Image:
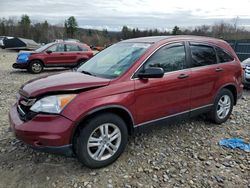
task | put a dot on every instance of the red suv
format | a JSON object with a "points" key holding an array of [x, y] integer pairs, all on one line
{"points": [[90, 112], [56, 54]]}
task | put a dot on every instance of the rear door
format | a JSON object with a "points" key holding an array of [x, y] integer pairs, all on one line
{"points": [[158, 98], [72, 52], [205, 74], [57, 55]]}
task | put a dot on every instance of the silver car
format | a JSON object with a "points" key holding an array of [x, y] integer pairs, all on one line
{"points": [[246, 75]]}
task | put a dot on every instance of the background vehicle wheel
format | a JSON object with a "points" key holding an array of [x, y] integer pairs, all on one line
{"points": [[223, 107], [102, 140], [35, 67]]}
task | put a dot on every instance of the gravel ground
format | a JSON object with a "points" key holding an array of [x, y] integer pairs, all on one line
{"points": [[186, 154]]}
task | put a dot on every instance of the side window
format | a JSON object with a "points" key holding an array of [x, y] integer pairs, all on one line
{"points": [[57, 48], [170, 58], [223, 56], [71, 48], [202, 55], [82, 48]]}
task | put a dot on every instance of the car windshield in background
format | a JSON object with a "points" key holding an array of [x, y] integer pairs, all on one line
{"points": [[114, 61], [43, 47]]}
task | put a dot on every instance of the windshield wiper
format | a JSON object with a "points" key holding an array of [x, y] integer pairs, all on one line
{"points": [[88, 73]]}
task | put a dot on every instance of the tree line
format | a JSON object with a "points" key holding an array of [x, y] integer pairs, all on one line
{"points": [[43, 32]]}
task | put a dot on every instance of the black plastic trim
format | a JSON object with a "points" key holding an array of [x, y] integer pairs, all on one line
{"points": [[20, 65], [65, 150]]}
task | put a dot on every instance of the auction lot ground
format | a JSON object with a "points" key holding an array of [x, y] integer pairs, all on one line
{"points": [[185, 154]]}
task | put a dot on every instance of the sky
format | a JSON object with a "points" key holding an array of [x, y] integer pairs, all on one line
{"points": [[144, 14]]}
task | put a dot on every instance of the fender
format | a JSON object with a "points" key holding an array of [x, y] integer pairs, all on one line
{"points": [[228, 84], [98, 109]]}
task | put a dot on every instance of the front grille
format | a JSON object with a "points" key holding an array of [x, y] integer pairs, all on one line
{"points": [[23, 108]]}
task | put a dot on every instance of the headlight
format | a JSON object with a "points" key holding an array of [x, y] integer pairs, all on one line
{"points": [[52, 104]]}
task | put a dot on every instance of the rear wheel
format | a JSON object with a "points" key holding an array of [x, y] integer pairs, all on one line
{"points": [[223, 106], [80, 62], [35, 67], [102, 140]]}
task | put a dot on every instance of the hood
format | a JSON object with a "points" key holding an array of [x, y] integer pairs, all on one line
{"points": [[245, 63], [27, 52], [68, 81]]}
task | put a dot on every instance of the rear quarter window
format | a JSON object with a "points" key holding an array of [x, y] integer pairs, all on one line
{"points": [[223, 56], [81, 48], [202, 55]]}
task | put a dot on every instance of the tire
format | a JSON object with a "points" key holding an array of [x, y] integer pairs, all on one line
{"points": [[100, 151], [222, 107], [35, 67]]}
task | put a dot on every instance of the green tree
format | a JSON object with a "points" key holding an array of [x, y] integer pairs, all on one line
{"points": [[45, 31], [3, 26], [71, 27], [24, 25], [125, 32], [176, 30]]}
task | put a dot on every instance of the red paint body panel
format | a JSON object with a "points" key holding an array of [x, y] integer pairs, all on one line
{"points": [[62, 58], [44, 130], [145, 100], [62, 82], [160, 98], [121, 94]]}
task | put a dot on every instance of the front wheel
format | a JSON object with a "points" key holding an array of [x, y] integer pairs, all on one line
{"points": [[35, 67], [102, 140], [223, 106]]}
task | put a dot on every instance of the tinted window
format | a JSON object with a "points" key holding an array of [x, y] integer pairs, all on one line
{"points": [[57, 48], [71, 48], [82, 48], [202, 55], [223, 56], [170, 58]]}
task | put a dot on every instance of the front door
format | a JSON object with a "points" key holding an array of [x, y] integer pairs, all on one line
{"points": [[56, 56], [159, 98]]}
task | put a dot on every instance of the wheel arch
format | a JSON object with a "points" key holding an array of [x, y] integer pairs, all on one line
{"points": [[231, 87], [36, 59], [82, 59], [121, 111]]}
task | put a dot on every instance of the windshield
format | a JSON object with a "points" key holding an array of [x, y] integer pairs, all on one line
{"points": [[43, 47], [114, 61]]}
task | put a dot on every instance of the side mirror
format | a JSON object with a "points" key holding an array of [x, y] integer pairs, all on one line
{"points": [[151, 72], [48, 51]]}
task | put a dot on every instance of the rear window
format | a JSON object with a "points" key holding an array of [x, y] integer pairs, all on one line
{"points": [[202, 55], [223, 55], [71, 48], [81, 48]]}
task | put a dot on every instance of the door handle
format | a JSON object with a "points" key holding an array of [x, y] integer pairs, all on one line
{"points": [[61, 53], [182, 76], [218, 69]]}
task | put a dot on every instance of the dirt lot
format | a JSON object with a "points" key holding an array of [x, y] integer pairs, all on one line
{"points": [[182, 155]]}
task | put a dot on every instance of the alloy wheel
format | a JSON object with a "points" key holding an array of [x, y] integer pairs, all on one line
{"points": [[223, 107], [36, 67], [104, 141]]}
